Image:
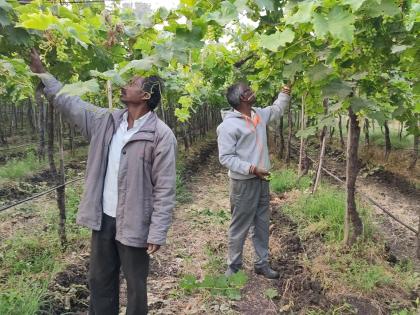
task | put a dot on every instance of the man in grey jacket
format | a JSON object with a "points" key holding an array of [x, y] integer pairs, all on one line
{"points": [[129, 190], [242, 142]]}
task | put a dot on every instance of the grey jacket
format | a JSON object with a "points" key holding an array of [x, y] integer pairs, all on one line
{"points": [[242, 141], [146, 179]]}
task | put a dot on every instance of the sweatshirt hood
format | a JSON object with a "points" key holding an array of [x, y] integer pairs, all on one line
{"points": [[229, 113]]}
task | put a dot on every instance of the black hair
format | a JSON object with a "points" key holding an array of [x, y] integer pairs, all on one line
{"points": [[234, 93], [154, 86]]}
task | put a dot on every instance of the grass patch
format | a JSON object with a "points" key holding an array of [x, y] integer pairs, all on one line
{"points": [[322, 214], [18, 168], [377, 138], [29, 261], [23, 298], [361, 269], [287, 179]]}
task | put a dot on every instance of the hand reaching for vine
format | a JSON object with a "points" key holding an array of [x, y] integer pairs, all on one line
{"points": [[36, 63]]}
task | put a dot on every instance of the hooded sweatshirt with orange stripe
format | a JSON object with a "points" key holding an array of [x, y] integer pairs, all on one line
{"points": [[242, 140]]}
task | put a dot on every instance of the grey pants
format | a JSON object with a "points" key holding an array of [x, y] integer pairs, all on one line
{"points": [[250, 200], [106, 258]]}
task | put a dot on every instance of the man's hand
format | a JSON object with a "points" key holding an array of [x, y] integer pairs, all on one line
{"points": [[36, 63], [286, 90], [152, 248], [261, 173]]}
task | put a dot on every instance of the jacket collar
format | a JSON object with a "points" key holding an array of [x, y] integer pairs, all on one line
{"points": [[149, 124]]}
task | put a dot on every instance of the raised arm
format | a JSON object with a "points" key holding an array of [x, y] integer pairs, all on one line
{"points": [[78, 112], [275, 111]]}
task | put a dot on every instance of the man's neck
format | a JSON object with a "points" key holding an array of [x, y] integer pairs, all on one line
{"points": [[245, 109], [135, 112]]}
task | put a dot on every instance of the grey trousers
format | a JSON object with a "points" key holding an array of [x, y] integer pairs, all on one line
{"points": [[250, 200], [106, 258]]}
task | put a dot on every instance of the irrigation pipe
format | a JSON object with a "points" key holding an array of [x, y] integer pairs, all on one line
{"points": [[40, 194]]}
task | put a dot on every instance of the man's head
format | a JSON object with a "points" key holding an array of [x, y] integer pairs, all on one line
{"points": [[240, 93], [142, 90]]}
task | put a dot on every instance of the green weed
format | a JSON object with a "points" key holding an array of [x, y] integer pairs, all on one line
{"points": [[18, 168], [285, 180], [216, 284], [23, 297], [323, 214]]}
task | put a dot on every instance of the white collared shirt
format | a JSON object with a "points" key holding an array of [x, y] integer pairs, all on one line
{"points": [[119, 140]]}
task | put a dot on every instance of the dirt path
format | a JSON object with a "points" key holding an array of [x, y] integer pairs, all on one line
{"points": [[197, 245]]}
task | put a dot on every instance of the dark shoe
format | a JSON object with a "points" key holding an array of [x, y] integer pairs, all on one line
{"points": [[267, 272], [229, 272]]}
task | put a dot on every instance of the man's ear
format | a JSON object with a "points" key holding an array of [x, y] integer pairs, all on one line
{"points": [[147, 96]]}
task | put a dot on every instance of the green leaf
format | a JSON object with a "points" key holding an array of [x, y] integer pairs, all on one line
{"points": [[80, 88], [38, 21], [319, 72], [111, 75], [273, 41], [340, 24], [143, 44], [241, 6], [389, 7], [271, 293], [144, 64], [4, 18], [290, 70], [378, 116], [226, 14], [336, 88], [305, 133], [238, 279], [265, 4], [374, 8], [5, 6], [359, 103], [354, 4], [188, 282], [320, 25], [303, 14]]}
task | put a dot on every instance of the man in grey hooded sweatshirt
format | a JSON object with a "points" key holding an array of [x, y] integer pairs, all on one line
{"points": [[242, 142]]}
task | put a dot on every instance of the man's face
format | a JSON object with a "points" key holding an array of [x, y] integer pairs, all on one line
{"points": [[247, 96], [133, 92]]}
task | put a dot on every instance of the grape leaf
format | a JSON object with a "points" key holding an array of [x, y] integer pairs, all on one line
{"points": [[143, 64], [4, 19], [303, 14], [319, 72], [359, 103], [320, 25], [291, 69], [354, 4], [340, 24], [38, 21], [226, 14], [273, 41], [336, 88], [80, 88], [265, 4], [5, 6]]}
